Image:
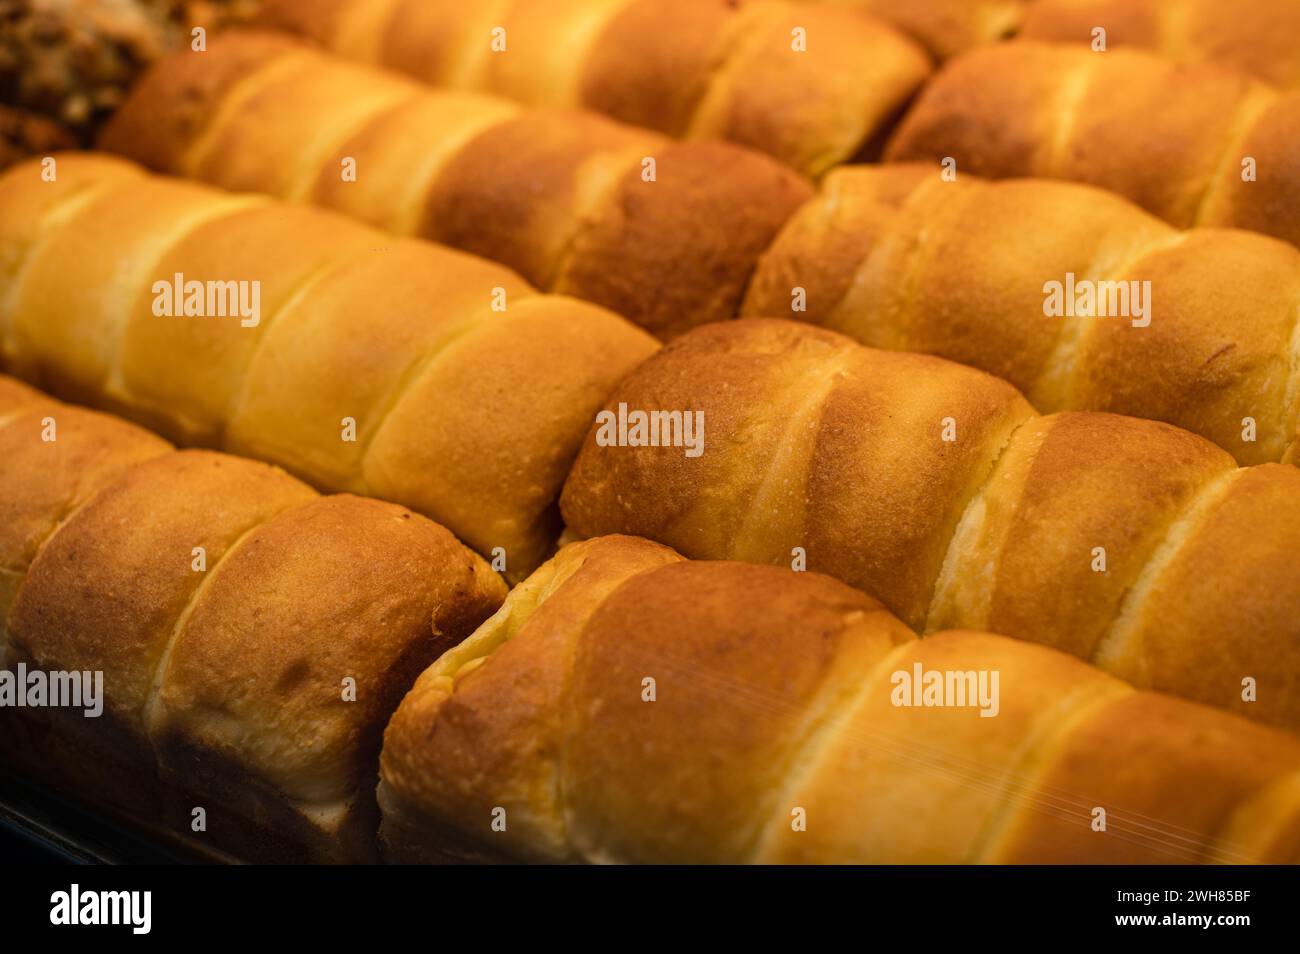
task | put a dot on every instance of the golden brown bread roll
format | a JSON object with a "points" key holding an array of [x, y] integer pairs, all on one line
{"points": [[560, 196], [1194, 145], [937, 489], [375, 365], [898, 257], [1263, 39], [231, 610], [811, 85], [674, 253], [625, 705], [948, 27], [90, 451]]}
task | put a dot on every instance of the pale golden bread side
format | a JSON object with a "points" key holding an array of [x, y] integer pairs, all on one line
{"points": [[1223, 609], [64, 330], [1174, 779], [70, 185], [1023, 559], [959, 771], [188, 375]]}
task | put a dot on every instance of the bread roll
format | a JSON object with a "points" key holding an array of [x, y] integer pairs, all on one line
{"points": [[889, 255], [949, 27], [386, 367], [627, 706], [252, 637], [1264, 40], [1196, 329], [1194, 145], [810, 85], [937, 489], [664, 233]]}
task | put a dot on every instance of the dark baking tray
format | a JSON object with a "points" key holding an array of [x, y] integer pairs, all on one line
{"points": [[38, 825]]}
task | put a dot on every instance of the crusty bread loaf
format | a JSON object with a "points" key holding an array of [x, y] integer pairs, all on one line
{"points": [[897, 257], [379, 366], [562, 197], [811, 85], [1195, 145], [948, 27], [1262, 38], [936, 488], [253, 636], [627, 706]]}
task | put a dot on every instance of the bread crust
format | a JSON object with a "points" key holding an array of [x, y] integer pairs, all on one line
{"points": [[1085, 531], [949, 27], [628, 706], [1185, 31], [798, 421], [168, 113], [233, 614], [722, 205], [1171, 138], [467, 392], [665, 233], [810, 86], [898, 257]]}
